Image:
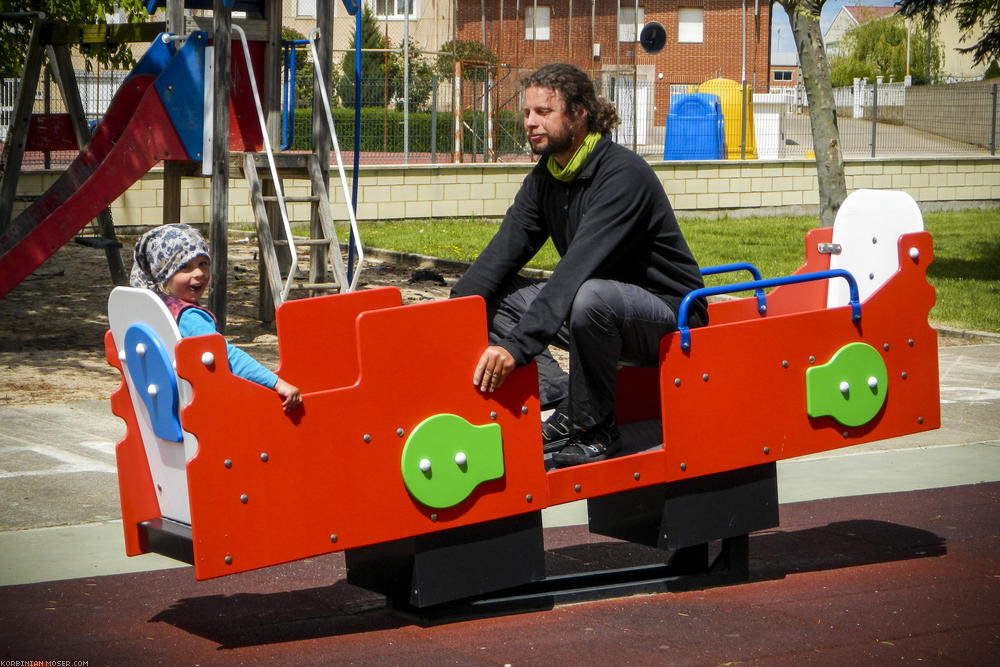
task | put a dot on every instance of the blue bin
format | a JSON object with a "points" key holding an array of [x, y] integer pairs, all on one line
{"points": [[694, 128]]}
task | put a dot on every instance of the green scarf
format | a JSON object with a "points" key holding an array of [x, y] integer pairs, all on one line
{"points": [[573, 167]]}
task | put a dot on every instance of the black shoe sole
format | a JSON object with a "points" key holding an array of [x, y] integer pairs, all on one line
{"points": [[566, 461], [554, 446]]}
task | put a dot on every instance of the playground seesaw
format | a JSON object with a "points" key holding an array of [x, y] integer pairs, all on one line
{"points": [[434, 490]]}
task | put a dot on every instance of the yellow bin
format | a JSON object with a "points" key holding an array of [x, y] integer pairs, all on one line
{"points": [[732, 114]]}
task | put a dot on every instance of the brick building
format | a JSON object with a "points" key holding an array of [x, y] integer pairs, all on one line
{"points": [[704, 41]]}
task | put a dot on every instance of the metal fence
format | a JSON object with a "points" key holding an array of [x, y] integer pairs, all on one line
{"points": [[478, 119]]}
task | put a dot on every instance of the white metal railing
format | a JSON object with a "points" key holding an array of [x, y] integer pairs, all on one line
{"points": [[274, 169], [356, 235]]}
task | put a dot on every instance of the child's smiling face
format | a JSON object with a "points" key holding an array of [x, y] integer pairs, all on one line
{"points": [[191, 280]]}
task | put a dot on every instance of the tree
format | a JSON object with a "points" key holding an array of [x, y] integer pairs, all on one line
{"points": [[14, 35], [969, 14], [466, 51], [879, 48], [804, 18], [382, 80]]}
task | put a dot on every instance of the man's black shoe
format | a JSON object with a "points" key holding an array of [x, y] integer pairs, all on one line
{"points": [[555, 431], [594, 444]]}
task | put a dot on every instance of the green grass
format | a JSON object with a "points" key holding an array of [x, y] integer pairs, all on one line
{"points": [[965, 271]]}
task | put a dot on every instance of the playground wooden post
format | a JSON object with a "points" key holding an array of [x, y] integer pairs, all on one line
{"points": [[13, 149], [272, 113], [172, 171], [222, 25]]}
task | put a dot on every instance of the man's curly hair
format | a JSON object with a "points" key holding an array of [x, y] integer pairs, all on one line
{"points": [[578, 92]]}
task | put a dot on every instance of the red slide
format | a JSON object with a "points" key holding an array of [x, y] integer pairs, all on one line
{"points": [[133, 136]]}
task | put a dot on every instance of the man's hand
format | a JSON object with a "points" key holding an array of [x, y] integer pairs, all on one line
{"points": [[493, 368]]}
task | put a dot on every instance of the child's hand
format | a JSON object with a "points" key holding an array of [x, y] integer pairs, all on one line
{"points": [[290, 396]]}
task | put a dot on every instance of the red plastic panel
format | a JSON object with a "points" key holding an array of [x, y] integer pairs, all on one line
{"points": [[325, 323], [135, 483], [314, 474]]}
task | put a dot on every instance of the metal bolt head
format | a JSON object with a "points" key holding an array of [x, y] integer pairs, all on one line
{"points": [[784, 363], [264, 457], [228, 559], [399, 432], [909, 342], [885, 346], [528, 498], [767, 450], [684, 466], [368, 437], [636, 476], [524, 409], [434, 517], [493, 414], [704, 376], [577, 487], [228, 463], [333, 538], [677, 382], [812, 359], [920, 420], [903, 375], [244, 498]]}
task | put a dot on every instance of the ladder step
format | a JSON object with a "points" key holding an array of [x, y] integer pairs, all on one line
{"points": [[303, 242], [309, 198], [315, 285]]}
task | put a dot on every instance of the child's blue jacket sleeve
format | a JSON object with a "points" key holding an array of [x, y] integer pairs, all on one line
{"points": [[195, 322]]}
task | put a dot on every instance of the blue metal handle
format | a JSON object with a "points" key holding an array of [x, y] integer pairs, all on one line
{"points": [[741, 266], [682, 313]]}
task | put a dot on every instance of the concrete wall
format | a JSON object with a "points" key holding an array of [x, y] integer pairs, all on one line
{"points": [[695, 189]]}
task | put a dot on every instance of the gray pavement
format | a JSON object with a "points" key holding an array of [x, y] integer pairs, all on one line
{"points": [[58, 480]]}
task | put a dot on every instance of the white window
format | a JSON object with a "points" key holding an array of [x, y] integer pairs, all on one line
{"points": [[395, 9], [305, 8], [627, 22], [691, 25], [536, 26], [782, 75]]}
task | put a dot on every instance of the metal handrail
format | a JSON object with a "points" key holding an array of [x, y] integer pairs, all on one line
{"points": [[741, 266], [356, 235], [270, 161], [682, 312]]}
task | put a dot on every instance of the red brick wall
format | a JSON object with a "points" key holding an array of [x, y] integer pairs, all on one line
{"points": [[718, 55]]}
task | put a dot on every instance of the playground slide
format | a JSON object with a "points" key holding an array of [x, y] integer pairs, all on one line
{"points": [[139, 129]]}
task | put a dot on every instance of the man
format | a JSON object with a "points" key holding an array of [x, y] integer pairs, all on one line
{"points": [[624, 270]]}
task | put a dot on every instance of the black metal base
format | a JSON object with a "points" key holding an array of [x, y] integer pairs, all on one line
{"points": [[453, 564], [690, 512], [167, 538]]}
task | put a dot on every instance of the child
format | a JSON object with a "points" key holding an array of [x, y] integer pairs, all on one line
{"points": [[173, 262]]}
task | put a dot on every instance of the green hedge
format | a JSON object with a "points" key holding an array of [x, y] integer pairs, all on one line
{"points": [[382, 131]]}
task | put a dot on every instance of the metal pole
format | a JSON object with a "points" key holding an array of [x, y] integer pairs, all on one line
{"points": [[993, 123], [457, 110], [406, 83], [743, 88], [874, 112], [434, 117], [47, 155]]}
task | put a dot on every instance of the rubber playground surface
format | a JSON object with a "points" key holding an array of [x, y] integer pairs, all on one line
{"points": [[911, 576]]}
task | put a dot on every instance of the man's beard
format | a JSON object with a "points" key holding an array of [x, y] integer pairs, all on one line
{"points": [[555, 143]]}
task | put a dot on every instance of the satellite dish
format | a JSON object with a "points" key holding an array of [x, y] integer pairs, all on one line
{"points": [[652, 37]]}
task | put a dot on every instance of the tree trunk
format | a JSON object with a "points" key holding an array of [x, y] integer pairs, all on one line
{"points": [[804, 17]]}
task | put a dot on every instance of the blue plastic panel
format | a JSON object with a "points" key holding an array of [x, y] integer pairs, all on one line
{"points": [[154, 380], [181, 88]]}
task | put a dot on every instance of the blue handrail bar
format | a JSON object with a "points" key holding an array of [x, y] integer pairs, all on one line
{"points": [[288, 96], [682, 313], [741, 266]]}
